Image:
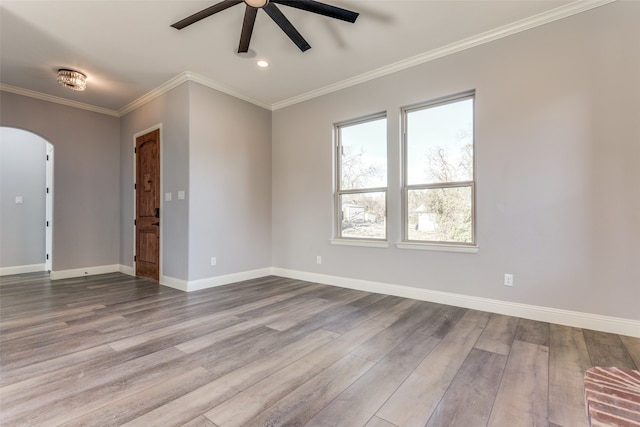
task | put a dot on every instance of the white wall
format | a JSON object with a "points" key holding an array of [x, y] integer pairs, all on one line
{"points": [[86, 210], [557, 154], [22, 174]]}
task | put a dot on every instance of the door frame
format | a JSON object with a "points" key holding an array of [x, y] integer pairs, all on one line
{"points": [[157, 127], [48, 232]]}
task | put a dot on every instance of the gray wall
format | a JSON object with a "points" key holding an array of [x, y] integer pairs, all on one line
{"points": [[557, 154], [557, 149], [86, 211], [171, 110], [217, 149], [22, 173], [230, 184]]}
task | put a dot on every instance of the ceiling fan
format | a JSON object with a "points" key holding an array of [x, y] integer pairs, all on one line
{"points": [[269, 6]]}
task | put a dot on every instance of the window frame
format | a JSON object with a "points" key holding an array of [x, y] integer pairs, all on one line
{"points": [[406, 188], [339, 192]]}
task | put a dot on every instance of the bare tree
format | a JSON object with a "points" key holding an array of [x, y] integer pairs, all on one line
{"points": [[449, 207], [355, 172]]}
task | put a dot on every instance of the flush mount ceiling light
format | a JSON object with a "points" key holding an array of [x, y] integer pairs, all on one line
{"points": [[74, 80]]}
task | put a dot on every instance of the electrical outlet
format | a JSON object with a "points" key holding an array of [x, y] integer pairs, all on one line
{"points": [[213, 260], [318, 259], [508, 279]]}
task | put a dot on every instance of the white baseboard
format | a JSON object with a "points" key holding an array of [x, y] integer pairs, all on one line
{"points": [[172, 282], [126, 270], [88, 271], [211, 282], [576, 319], [21, 269]]}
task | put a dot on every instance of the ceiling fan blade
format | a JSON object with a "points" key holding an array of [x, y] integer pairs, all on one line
{"points": [[286, 26], [204, 13], [247, 28], [321, 8]]}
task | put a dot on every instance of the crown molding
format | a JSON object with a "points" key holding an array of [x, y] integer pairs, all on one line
{"points": [[224, 89], [556, 14], [149, 96], [56, 99], [183, 77], [459, 46]]}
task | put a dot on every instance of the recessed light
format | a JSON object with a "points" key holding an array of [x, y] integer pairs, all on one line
{"points": [[262, 63]]}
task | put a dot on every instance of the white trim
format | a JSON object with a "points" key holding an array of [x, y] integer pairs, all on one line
{"points": [[126, 269], [172, 282], [57, 100], [160, 90], [437, 247], [48, 229], [477, 40], [575, 319], [135, 235], [212, 282], [183, 77], [21, 269], [363, 243], [224, 89], [87, 271], [459, 46]]}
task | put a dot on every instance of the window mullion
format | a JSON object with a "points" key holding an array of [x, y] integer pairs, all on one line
{"points": [[363, 191], [440, 185]]}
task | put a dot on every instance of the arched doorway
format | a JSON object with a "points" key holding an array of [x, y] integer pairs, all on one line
{"points": [[26, 202]]}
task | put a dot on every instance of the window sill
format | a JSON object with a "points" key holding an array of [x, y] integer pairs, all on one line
{"points": [[437, 247], [365, 243]]}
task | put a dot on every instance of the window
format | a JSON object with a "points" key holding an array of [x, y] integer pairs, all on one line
{"points": [[361, 178], [439, 182]]}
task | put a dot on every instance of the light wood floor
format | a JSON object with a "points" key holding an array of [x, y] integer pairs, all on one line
{"points": [[116, 350]]}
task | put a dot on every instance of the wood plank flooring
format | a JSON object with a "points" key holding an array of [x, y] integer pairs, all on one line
{"points": [[114, 350]]}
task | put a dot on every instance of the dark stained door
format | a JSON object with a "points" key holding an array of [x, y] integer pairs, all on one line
{"points": [[148, 205]]}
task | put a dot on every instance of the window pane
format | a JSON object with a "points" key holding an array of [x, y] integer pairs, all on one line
{"points": [[441, 214], [440, 143], [363, 163], [363, 215]]}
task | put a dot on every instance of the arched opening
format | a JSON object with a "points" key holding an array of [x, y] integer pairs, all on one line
{"points": [[26, 202]]}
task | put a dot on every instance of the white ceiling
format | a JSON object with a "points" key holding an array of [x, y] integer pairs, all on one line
{"points": [[128, 49]]}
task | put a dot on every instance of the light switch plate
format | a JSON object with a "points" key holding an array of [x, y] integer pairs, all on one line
{"points": [[167, 197], [181, 195]]}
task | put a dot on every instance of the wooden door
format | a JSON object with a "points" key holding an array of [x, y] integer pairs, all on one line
{"points": [[148, 205]]}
